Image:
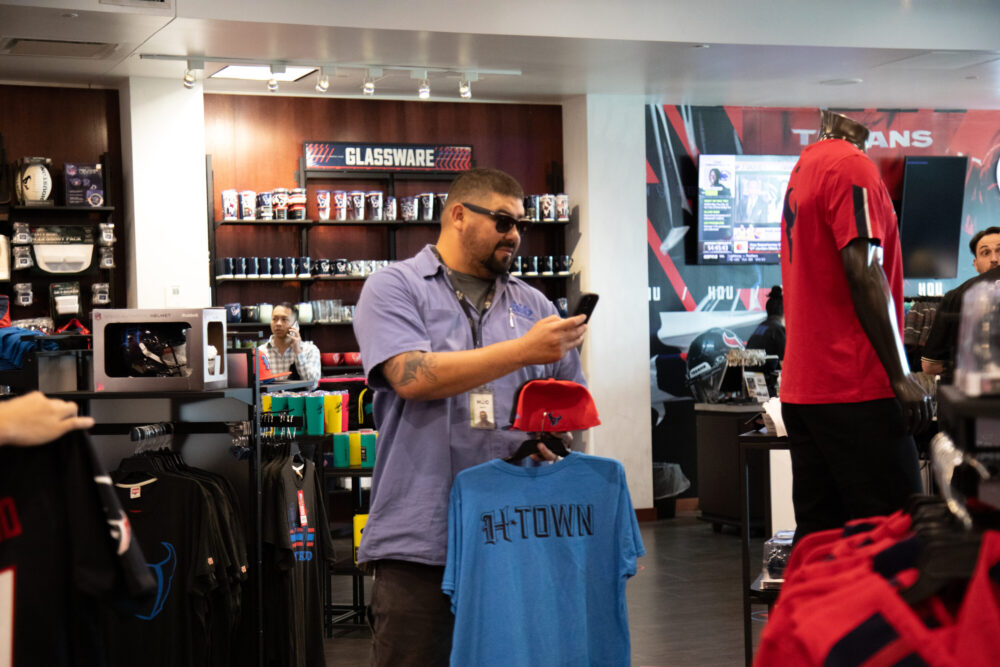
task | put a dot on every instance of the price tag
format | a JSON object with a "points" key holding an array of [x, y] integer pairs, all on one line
{"points": [[756, 385]]}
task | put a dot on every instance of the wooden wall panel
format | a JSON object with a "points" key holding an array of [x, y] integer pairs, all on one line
{"points": [[256, 141]]}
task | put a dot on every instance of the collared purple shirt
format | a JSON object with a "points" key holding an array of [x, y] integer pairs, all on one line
{"points": [[422, 445]]}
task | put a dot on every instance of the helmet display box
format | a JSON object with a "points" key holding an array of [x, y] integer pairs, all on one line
{"points": [[169, 349]]}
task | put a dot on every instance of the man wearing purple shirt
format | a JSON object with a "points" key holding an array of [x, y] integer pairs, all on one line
{"points": [[446, 336]]}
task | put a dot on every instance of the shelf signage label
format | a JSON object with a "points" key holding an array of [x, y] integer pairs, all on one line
{"points": [[348, 156]]}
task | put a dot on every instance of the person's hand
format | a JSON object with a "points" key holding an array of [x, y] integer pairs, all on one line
{"points": [[551, 338], [295, 337], [34, 419], [546, 454], [917, 404]]}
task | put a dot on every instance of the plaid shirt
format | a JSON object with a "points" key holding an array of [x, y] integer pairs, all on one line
{"points": [[306, 362]]}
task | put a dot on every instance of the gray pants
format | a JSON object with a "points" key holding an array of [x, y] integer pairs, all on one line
{"points": [[410, 616]]}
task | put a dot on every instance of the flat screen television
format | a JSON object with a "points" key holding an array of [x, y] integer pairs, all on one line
{"points": [[930, 215], [740, 198]]}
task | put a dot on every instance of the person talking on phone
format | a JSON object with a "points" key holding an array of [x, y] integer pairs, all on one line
{"points": [[286, 350], [446, 337]]}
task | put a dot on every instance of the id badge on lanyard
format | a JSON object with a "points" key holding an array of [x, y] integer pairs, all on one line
{"points": [[481, 413]]}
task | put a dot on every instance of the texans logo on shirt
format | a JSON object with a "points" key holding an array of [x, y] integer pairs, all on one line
{"points": [[521, 310], [164, 573]]}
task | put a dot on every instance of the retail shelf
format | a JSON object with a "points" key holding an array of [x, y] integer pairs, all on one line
{"points": [[352, 471], [235, 327], [220, 279], [378, 223], [243, 394], [341, 369], [290, 385], [63, 209], [339, 277], [361, 174], [260, 223], [539, 276]]}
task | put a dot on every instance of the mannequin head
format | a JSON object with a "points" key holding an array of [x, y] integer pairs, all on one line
{"points": [[837, 126]]}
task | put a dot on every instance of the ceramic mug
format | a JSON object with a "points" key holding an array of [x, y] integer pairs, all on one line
{"points": [[305, 311]]}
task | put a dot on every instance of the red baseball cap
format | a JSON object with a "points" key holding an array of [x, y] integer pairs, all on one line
{"points": [[554, 405], [264, 368]]}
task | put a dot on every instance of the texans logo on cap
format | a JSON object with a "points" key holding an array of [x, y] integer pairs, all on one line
{"points": [[553, 419]]}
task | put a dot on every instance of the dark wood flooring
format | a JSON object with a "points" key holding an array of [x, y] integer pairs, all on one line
{"points": [[685, 603]]}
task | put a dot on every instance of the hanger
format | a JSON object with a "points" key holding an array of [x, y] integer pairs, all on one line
{"points": [[530, 446], [950, 548], [150, 453]]}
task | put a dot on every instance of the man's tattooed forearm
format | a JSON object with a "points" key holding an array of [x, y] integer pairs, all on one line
{"points": [[412, 367]]}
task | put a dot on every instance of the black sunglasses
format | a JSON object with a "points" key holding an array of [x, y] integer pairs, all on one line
{"points": [[503, 221]]}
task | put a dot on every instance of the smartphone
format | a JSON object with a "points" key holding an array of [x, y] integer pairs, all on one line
{"points": [[585, 306]]}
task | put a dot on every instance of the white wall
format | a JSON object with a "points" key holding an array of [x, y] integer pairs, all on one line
{"points": [[604, 149], [163, 159]]}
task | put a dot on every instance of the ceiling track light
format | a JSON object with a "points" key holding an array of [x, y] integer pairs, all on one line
{"points": [[190, 78], [465, 84], [250, 69], [323, 80], [272, 83], [372, 74]]}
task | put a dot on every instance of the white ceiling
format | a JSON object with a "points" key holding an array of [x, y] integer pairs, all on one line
{"points": [[908, 53]]}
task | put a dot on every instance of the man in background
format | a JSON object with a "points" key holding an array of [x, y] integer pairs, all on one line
{"points": [[286, 350], [938, 354]]}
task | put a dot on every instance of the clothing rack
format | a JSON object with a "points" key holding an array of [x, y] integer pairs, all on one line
{"points": [[151, 431]]}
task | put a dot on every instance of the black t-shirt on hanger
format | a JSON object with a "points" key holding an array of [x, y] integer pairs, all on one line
{"points": [[173, 525]]}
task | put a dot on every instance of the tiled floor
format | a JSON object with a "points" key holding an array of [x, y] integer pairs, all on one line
{"points": [[685, 604]]}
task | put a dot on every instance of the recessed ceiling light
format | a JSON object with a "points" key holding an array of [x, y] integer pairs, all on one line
{"points": [[840, 82], [262, 73]]}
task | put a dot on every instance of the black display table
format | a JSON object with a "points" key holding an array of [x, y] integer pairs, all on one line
{"points": [[754, 441]]}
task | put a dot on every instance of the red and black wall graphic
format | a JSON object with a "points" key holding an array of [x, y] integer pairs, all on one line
{"points": [[685, 299]]}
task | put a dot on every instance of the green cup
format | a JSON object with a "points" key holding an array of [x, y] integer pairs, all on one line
{"points": [[314, 415], [297, 408], [368, 449], [341, 450]]}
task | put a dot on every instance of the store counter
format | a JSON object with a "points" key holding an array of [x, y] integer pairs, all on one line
{"points": [[718, 426]]}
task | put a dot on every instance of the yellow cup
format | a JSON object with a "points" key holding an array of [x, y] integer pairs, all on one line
{"points": [[355, 444], [359, 526], [265, 403], [332, 419]]}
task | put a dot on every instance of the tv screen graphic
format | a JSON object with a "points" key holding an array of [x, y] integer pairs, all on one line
{"points": [[930, 217], [740, 198]]}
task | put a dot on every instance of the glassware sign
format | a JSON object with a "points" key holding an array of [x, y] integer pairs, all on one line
{"points": [[348, 156]]}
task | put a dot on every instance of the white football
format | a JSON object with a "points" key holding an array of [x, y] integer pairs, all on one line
{"points": [[34, 183]]}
